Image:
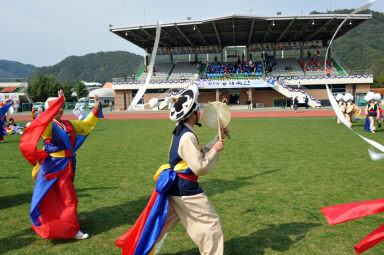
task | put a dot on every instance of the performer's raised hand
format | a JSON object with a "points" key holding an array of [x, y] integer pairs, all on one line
{"points": [[60, 93], [225, 133], [7, 101], [97, 101], [219, 145]]}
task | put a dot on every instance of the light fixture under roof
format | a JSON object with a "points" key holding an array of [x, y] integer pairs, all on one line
{"points": [[273, 23], [126, 33], [194, 27], [313, 22], [350, 22]]}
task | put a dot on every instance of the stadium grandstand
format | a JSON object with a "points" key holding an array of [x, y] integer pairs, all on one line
{"points": [[267, 59]]}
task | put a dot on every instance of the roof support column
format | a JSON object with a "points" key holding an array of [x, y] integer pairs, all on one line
{"points": [[195, 54], [222, 55], [170, 56], [225, 54], [330, 52], [146, 61], [301, 50]]}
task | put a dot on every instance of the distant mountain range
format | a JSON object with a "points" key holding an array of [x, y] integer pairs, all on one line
{"points": [[99, 67], [14, 69], [360, 49]]}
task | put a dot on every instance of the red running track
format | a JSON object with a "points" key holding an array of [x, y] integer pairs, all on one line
{"points": [[163, 115]]}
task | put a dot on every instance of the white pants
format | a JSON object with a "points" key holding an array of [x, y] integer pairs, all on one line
{"points": [[200, 220]]}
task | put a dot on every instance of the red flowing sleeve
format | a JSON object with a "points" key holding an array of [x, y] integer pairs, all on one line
{"points": [[32, 134]]}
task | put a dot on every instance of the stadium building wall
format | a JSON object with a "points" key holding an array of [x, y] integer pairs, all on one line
{"points": [[263, 97]]}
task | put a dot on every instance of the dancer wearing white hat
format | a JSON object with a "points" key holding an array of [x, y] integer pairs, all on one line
{"points": [[178, 196], [341, 103], [371, 111]]}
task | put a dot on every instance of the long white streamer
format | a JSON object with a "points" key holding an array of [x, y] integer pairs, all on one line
{"points": [[144, 87], [374, 155]]}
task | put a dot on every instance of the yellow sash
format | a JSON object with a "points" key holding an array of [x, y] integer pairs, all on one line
{"points": [[372, 105], [58, 154]]}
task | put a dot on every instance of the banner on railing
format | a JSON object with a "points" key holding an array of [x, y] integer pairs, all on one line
{"points": [[235, 83]]}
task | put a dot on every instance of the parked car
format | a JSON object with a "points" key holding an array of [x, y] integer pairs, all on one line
{"points": [[91, 103], [38, 105]]}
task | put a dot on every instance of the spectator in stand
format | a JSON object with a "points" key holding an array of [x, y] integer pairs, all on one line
{"points": [[146, 69], [328, 71], [318, 53], [295, 104], [154, 69], [308, 54], [215, 59]]}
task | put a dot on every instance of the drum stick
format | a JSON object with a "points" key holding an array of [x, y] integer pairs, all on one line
{"points": [[218, 126]]}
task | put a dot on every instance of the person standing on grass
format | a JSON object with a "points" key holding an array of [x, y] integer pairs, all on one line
{"points": [[4, 107], [306, 102], [54, 202], [372, 111], [341, 103], [178, 196]]}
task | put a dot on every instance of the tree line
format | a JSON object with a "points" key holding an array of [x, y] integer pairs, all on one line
{"points": [[45, 86]]}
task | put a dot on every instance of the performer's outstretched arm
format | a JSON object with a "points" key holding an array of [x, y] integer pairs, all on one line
{"points": [[85, 126]]}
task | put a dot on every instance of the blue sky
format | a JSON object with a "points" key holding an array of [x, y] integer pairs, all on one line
{"points": [[44, 32]]}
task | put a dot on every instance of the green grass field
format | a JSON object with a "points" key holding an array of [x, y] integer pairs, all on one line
{"points": [[268, 187]]}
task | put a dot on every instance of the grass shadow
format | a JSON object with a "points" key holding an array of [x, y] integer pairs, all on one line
{"points": [[17, 241], [105, 218], [214, 186], [277, 237], [8, 177], [24, 198]]}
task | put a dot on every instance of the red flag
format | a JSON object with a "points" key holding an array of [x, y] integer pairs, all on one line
{"points": [[370, 240], [341, 213]]}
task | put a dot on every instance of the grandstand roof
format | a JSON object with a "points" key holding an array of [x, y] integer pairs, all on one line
{"points": [[238, 30]]}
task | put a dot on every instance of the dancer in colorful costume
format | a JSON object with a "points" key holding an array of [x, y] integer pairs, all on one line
{"points": [[340, 101], [4, 107], [350, 108], [380, 112], [54, 202], [177, 196], [371, 111]]}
